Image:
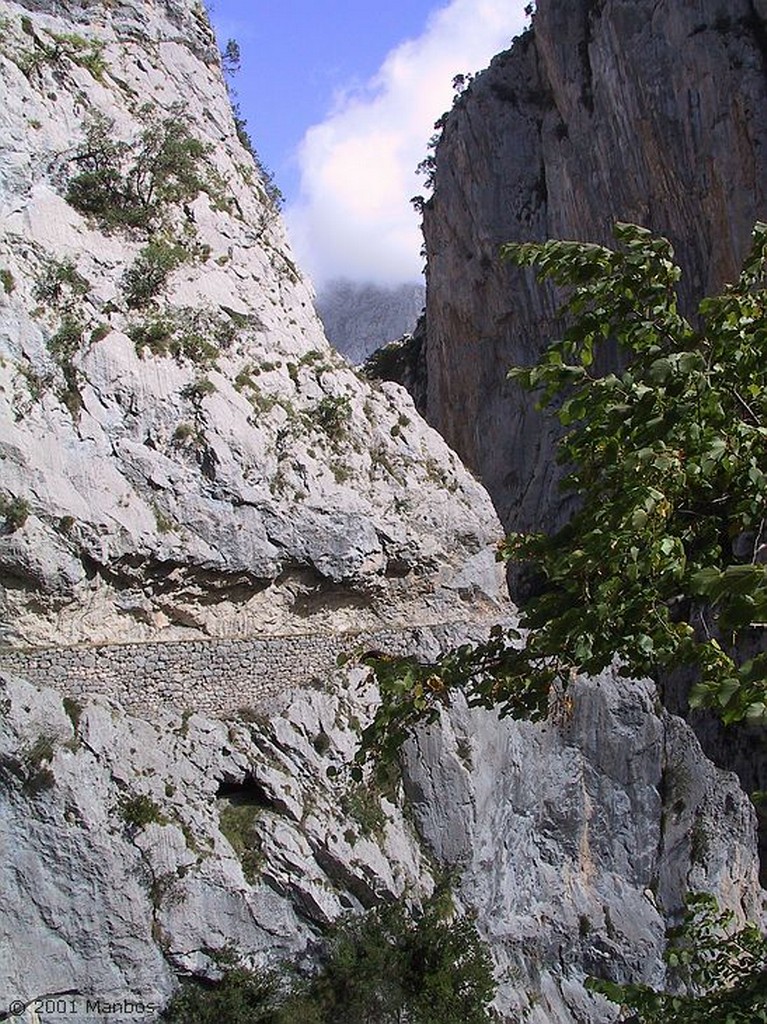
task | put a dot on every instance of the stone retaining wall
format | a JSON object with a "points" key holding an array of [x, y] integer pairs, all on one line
{"points": [[211, 676]]}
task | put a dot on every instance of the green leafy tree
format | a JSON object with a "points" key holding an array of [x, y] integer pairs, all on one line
{"points": [[387, 967], [241, 996], [131, 184], [719, 973], [663, 563], [169, 162], [383, 967]]}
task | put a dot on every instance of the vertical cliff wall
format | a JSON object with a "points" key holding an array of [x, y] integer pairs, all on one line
{"points": [[181, 451], [138, 847], [181, 456], [634, 110]]}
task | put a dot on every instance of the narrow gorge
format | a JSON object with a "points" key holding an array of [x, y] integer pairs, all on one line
{"points": [[207, 517]]}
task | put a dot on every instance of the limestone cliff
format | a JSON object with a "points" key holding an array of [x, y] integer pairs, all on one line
{"points": [[650, 111], [182, 453], [182, 456], [137, 848]]}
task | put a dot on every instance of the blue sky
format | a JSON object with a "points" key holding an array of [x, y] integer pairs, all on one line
{"points": [[298, 55], [340, 99]]}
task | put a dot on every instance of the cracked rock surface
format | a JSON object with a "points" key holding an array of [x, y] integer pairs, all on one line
{"points": [[232, 472], [131, 847], [652, 112]]}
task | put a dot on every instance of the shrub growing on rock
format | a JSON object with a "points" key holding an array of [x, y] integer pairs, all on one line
{"points": [[14, 511], [383, 967], [148, 274], [59, 284], [131, 184]]}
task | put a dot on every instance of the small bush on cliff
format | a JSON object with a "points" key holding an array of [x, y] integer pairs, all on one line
{"points": [[64, 345], [149, 272], [384, 967], [60, 284], [140, 811], [14, 511], [187, 334], [665, 562], [332, 415], [131, 184], [54, 49]]}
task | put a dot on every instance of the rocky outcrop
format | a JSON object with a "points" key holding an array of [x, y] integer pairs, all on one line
{"points": [[576, 840], [404, 362], [182, 452], [183, 456], [359, 318], [135, 848], [649, 112]]}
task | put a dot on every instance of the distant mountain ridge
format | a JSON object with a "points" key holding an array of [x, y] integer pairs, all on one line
{"points": [[359, 318]]}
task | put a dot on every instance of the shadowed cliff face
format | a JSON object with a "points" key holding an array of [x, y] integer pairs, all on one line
{"points": [[649, 112]]}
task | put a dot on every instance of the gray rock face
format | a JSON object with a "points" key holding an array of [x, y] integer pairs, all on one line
{"points": [[653, 113], [578, 840], [167, 491], [359, 318], [117, 871], [174, 422], [130, 847]]}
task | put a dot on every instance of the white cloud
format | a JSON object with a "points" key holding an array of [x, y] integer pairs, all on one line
{"points": [[353, 217]]}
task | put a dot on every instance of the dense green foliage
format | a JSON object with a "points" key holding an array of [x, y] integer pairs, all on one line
{"points": [[241, 996], [149, 272], [384, 967], [720, 974], [130, 184], [663, 564]]}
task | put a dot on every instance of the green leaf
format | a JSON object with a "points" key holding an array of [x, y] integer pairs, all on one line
{"points": [[660, 370], [639, 519]]}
